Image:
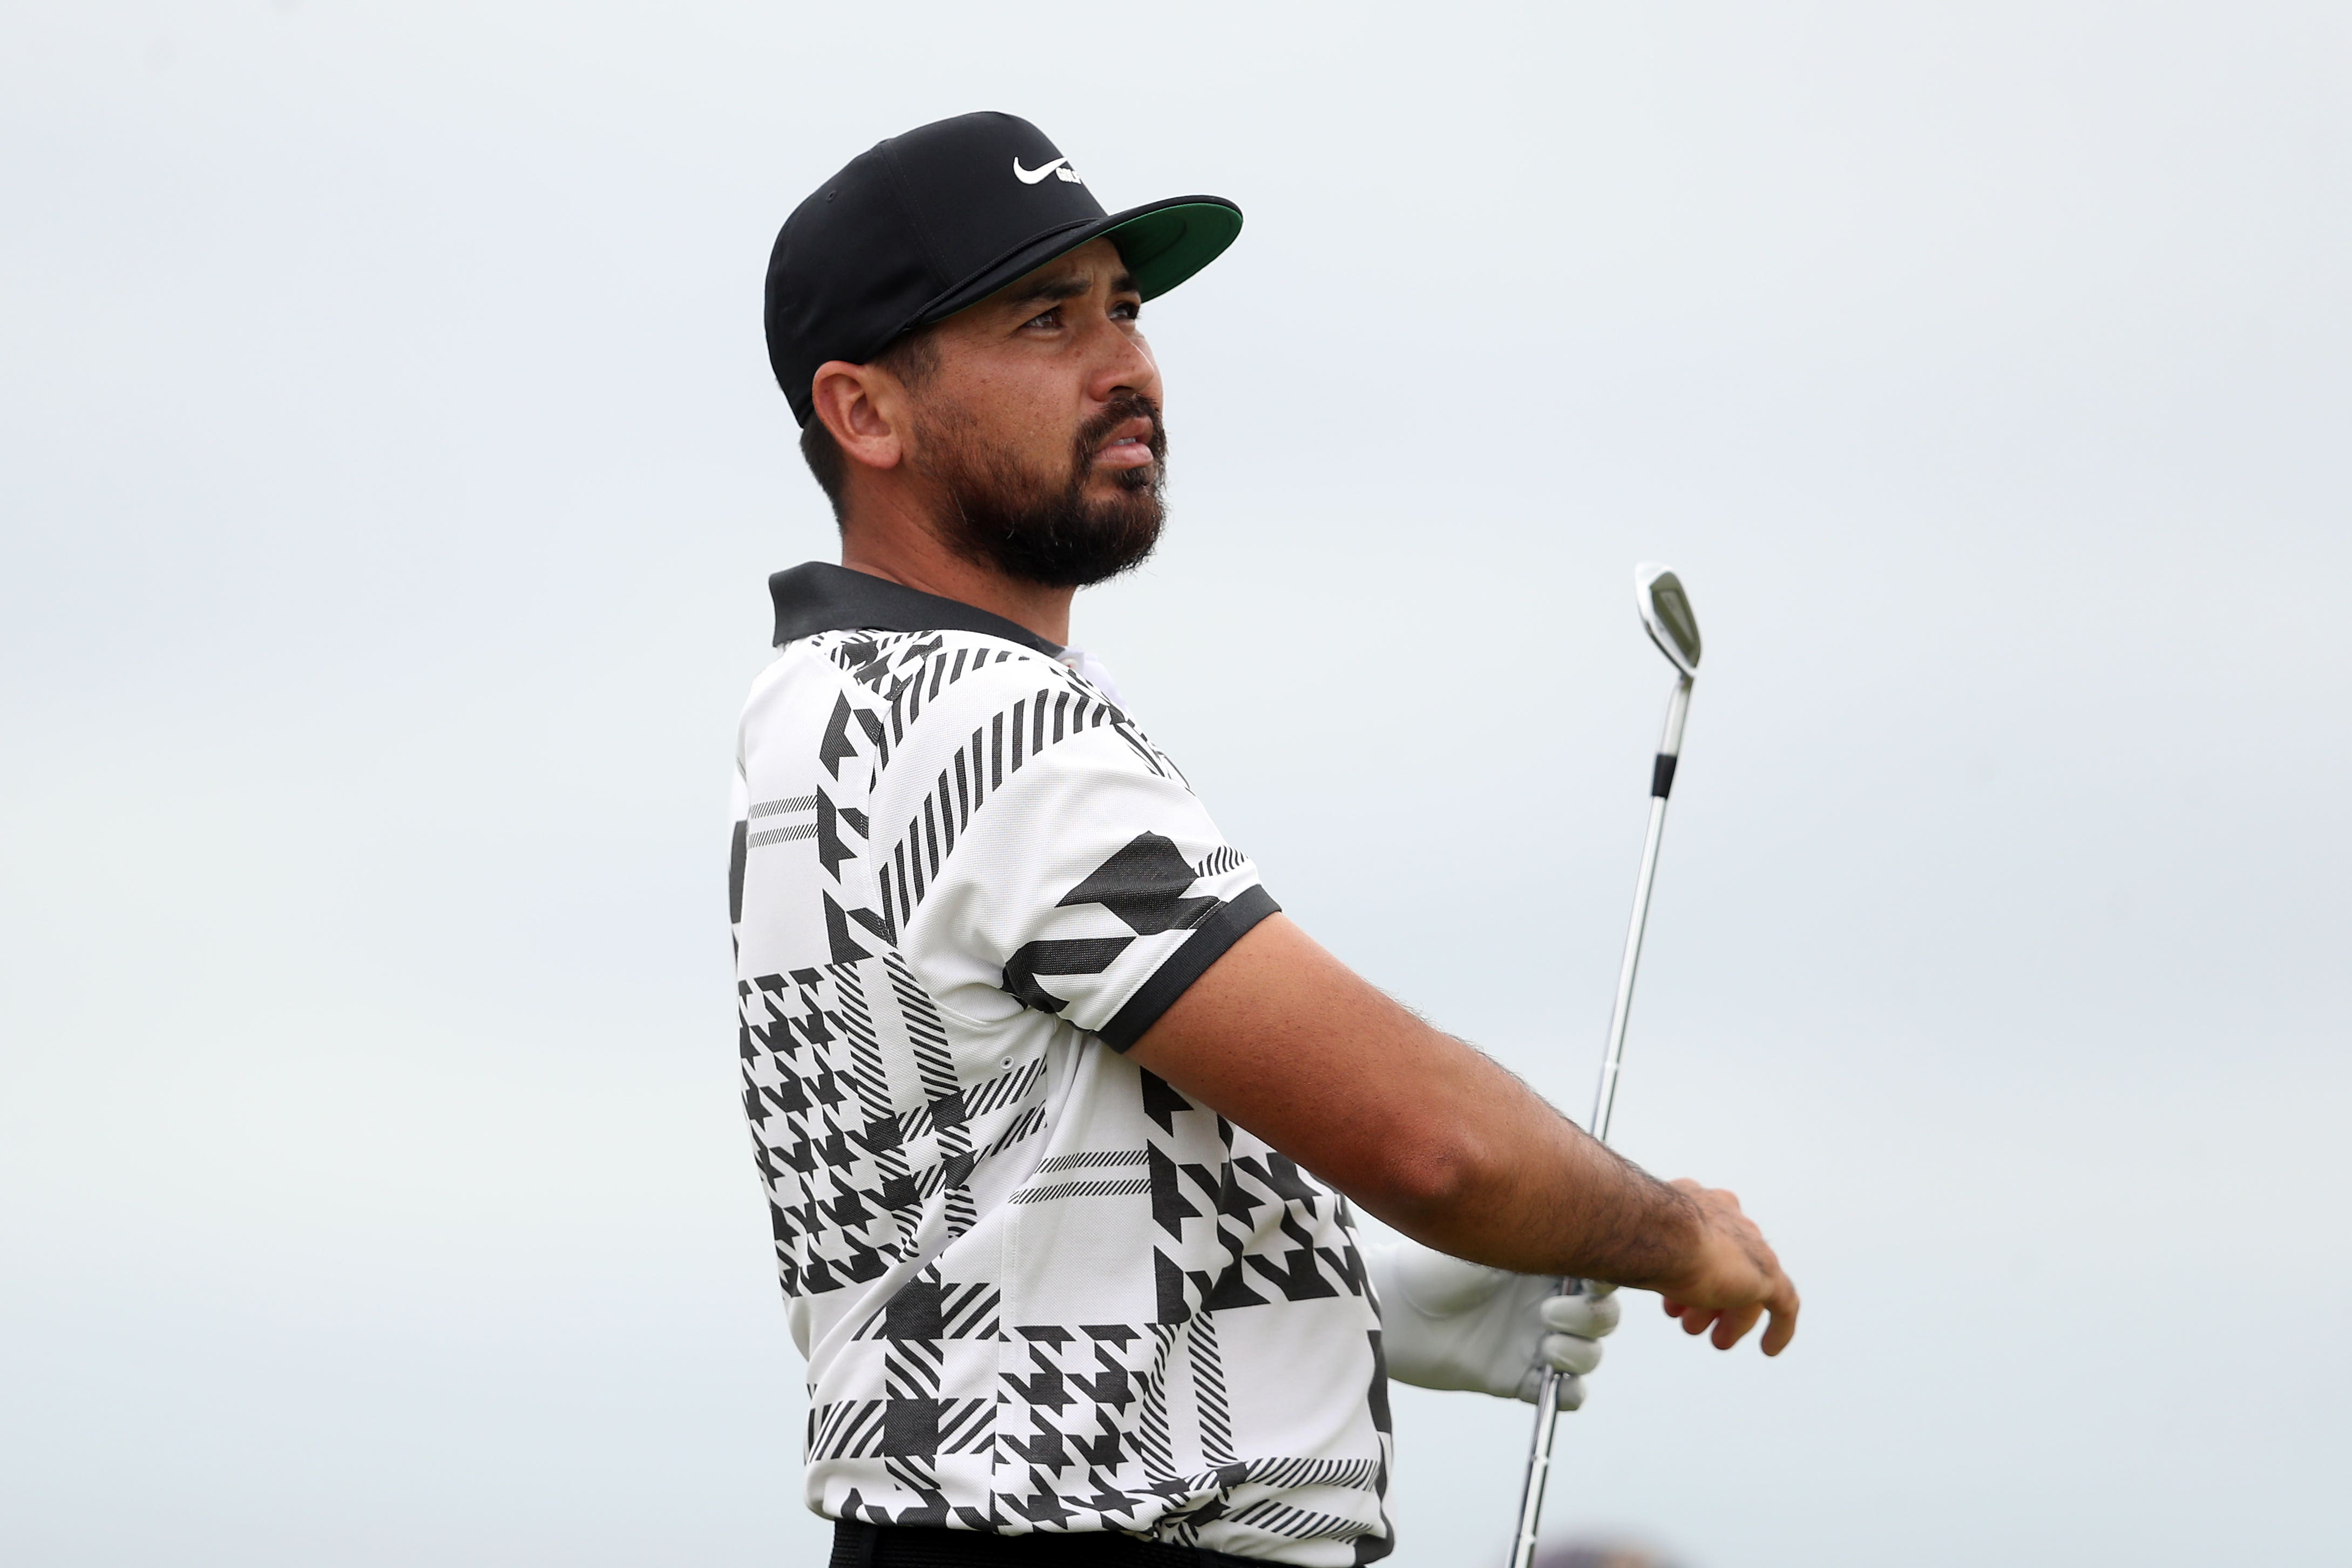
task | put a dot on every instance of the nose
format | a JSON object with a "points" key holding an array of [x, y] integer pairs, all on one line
{"points": [[1123, 363]]}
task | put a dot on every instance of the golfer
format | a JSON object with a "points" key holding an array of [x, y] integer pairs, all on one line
{"points": [[1063, 1123]]}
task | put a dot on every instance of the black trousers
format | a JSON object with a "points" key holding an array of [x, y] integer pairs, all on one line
{"points": [[898, 1546]]}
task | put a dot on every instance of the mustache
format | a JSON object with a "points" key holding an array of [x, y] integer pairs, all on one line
{"points": [[1118, 411]]}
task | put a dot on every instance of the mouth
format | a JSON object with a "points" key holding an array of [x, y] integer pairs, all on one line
{"points": [[1128, 445]]}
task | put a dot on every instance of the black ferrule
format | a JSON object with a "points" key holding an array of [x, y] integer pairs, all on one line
{"points": [[1661, 775]]}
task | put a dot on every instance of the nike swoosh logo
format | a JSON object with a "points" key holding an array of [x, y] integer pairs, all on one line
{"points": [[1031, 176]]}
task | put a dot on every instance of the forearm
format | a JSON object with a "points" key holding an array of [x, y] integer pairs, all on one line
{"points": [[1417, 1127], [1425, 1132], [1534, 1194]]}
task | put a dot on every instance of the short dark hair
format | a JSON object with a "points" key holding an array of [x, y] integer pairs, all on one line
{"points": [[911, 358]]}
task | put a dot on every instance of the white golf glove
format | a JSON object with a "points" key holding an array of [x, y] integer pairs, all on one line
{"points": [[1445, 1323]]}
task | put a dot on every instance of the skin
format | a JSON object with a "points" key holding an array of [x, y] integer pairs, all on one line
{"points": [[1416, 1126], [1035, 360]]}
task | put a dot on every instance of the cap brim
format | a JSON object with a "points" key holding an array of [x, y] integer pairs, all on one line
{"points": [[1167, 242], [1163, 243]]}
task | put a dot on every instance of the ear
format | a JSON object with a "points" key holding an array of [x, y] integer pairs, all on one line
{"points": [[861, 405]]}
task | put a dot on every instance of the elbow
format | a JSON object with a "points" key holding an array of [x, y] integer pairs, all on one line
{"points": [[1429, 1180]]}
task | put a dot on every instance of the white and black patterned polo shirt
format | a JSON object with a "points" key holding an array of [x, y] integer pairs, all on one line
{"points": [[1038, 1289]]}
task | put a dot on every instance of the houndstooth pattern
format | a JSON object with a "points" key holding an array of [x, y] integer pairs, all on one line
{"points": [[1040, 1288]]}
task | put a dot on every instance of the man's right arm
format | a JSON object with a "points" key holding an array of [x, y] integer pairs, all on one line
{"points": [[1434, 1138]]}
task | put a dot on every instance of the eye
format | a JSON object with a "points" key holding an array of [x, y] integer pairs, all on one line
{"points": [[1046, 318], [1127, 310]]}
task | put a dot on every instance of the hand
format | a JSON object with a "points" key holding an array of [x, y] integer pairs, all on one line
{"points": [[1734, 1280], [1445, 1323]]}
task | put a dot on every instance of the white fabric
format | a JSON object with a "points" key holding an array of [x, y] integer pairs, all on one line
{"points": [[1452, 1324], [1094, 671], [1037, 1288]]}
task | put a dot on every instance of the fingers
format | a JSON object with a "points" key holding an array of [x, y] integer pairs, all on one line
{"points": [[1783, 1326], [1569, 1353], [1698, 1320], [1569, 1396], [1581, 1314], [1732, 1326], [1779, 1301], [1738, 1270], [1726, 1327]]}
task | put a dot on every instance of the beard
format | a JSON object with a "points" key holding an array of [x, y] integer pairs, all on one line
{"points": [[1042, 528]]}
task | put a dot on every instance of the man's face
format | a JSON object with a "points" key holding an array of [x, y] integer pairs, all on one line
{"points": [[1038, 421]]}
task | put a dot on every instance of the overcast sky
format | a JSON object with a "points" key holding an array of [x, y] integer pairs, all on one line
{"points": [[390, 469]]}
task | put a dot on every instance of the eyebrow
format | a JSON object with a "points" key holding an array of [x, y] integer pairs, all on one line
{"points": [[1053, 290]]}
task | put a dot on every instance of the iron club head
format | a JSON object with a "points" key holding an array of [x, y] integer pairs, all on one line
{"points": [[1666, 615]]}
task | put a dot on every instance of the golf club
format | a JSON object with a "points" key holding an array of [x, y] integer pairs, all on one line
{"points": [[1666, 616]]}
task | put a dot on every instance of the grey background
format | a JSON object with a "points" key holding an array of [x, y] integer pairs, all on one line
{"points": [[389, 469]]}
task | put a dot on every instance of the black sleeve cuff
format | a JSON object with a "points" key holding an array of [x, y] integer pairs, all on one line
{"points": [[1226, 925]]}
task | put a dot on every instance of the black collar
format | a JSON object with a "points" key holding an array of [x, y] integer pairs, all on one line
{"points": [[820, 597]]}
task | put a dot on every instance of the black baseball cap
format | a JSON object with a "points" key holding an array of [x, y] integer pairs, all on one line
{"points": [[919, 227]]}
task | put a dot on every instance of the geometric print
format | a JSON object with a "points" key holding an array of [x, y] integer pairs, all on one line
{"points": [[1040, 1289], [1056, 710], [846, 1171], [1144, 885]]}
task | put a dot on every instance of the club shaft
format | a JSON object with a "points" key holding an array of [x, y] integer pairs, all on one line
{"points": [[1604, 1103]]}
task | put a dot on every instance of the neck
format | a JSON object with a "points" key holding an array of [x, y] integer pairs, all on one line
{"points": [[896, 544]]}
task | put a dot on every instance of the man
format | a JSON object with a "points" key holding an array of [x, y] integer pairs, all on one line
{"points": [[1061, 1119]]}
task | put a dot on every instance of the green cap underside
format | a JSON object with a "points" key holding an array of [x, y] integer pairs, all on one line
{"points": [[1163, 248]]}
